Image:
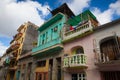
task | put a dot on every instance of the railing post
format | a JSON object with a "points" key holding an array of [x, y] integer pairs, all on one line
{"points": [[75, 59], [84, 59], [72, 60], [80, 59], [65, 62], [69, 64]]}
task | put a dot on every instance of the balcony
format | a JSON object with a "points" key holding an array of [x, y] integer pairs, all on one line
{"points": [[12, 57], [18, 36], [105, 63], [81, 30], [6, 62], [73, 61], [15, 53], [9, 50], [12, 67], [15, 46], [48, 47]]}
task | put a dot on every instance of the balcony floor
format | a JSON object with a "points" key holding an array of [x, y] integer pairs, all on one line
{"points": [[48, 51], [109, 66]]}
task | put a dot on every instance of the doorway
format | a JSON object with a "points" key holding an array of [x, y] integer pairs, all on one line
{"points": [[110, 75]]}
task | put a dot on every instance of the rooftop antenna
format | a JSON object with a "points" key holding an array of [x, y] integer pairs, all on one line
{"points": [[49, 10]]}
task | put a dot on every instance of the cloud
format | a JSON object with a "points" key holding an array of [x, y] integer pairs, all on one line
{"points": [[107, 15], [13, 14], [2, 48], [77, 6], [103, 17], [116, 7]]}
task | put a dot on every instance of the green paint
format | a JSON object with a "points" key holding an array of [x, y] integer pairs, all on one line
{"points": [[49, 32], [81, 17]]}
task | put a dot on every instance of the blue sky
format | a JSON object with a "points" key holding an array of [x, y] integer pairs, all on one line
{"points": [[13, 13]]}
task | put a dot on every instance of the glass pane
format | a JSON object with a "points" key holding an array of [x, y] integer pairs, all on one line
{"points": [[74, 77]]}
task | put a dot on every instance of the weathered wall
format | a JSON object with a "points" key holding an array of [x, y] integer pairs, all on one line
{"points": [[24, 71], [30, 37], [87, 44]]}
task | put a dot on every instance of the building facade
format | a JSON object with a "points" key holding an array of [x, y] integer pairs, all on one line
{"points": [[25, 62], [107, 50], [3, 66], [47, 54], [21, 43], [78, 59], [68, 47]]}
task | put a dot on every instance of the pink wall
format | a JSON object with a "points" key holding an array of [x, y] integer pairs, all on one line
{"points": [[87, 44]]}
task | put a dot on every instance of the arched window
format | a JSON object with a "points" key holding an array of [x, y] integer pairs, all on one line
{"points": [[109, 48], [79, 50]]}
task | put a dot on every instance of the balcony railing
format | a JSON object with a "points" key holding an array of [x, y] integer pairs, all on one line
{"points": [[77, 60], [48, 44], [12, 57], [17, 36], [15, 46], [78, 31], [15, 53], [102, 58]]}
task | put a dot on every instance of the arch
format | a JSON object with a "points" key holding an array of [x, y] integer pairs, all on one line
{"points": [[77, 50], [109, 48], [106, 38]]}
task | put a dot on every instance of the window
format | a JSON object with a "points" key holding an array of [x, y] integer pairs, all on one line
{"points": [[79, 50], [43, 39], [109, 48], [56, 29], [51, 34], [24, 65], [41, 63], [39, 77], [19, 67], [46, 36], [79, 76]]}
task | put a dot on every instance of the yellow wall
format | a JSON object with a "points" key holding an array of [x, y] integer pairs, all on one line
{"points": [[43, 69], [8, 76]]}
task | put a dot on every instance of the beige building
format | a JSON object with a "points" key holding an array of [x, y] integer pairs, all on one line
{"points": [[3, 66], [107, 50], [21, 43]]}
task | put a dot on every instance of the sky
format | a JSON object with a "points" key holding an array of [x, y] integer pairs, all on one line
{"points": [[13, 13]]}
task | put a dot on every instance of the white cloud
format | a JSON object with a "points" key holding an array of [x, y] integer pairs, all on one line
{"points": [[13, 14], [107, 15], [2, 48], [77, 6], [103, 17], [116, 7]]}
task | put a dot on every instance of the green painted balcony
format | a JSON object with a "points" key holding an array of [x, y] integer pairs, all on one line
{"points": [[79, 31], [49, 46], [73, 61], [49, 39]]}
